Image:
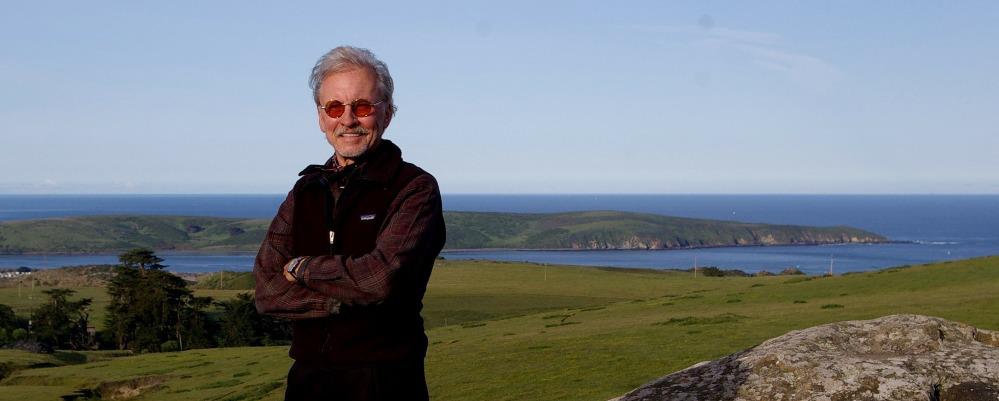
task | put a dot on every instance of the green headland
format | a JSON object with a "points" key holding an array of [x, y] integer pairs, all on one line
{"points": [[466, 230]]}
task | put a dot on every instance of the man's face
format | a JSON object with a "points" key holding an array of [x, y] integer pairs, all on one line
{"points": [[350, 135]]}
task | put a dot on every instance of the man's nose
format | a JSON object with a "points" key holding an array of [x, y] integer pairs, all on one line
{"points": [[348, 119]]}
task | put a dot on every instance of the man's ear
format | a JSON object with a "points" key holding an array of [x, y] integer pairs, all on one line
{"points": [[388, 119]]}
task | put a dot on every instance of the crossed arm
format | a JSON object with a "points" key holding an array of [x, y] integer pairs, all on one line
{"points": [[413, 228]]}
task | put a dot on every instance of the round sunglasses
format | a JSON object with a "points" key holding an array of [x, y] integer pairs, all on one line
{"points": [[360, 108]]}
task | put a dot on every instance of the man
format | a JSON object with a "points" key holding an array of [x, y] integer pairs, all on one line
{"points": [[349, 254]]}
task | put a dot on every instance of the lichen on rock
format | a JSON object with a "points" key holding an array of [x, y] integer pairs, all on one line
{"points": [[897, 357]]}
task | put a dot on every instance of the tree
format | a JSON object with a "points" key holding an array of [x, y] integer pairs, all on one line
{"points": [[141, 258], [7, 318], [242, 326], [62, 323], [194, 325], [8, 322], [122, 320], [150, 306]]}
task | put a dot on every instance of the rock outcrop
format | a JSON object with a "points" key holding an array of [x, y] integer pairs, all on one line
{"points": [[897, 357]]}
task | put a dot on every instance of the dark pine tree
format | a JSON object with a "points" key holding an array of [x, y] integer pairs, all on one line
{"points": [[150, 306], [242, 326], [62, 323]]}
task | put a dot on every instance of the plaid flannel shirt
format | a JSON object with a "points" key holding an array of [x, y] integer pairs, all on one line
{"points": [[327, 281]]}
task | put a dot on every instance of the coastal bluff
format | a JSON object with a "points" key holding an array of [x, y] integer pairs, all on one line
{"points": [[896, 357], [587, 230]]}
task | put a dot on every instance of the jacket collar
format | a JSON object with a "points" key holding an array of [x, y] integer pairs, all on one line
{"points": [[378, 165]]}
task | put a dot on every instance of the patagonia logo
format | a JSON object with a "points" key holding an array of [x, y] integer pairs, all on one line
{"points": [[366, 217]]}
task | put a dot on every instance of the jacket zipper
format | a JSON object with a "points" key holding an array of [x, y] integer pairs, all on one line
{"points": [[328, 205], [334, 211], [329, 209]]}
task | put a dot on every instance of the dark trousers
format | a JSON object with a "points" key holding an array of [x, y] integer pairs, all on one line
{"points": [[396, 381]]}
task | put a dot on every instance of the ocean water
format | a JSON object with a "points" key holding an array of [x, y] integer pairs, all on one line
{"points": [[933, 227], [24, 207]]}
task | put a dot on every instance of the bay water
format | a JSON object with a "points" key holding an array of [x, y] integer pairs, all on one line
{"points": [[928, 228]]}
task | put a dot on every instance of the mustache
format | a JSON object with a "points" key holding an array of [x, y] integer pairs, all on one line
{"points": [[349, 131]]}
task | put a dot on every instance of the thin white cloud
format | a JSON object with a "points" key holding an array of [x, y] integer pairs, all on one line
{"points": [[734, 35], [801, 69], [763, 50]]}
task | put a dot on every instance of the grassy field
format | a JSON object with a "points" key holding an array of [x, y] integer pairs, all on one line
{"points": [[506, 331]]}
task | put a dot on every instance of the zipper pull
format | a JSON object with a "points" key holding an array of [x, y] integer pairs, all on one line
{"points": [[332, 235]]}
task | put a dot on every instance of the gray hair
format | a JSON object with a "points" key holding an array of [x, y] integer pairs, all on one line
{"points": [[344, 58]]}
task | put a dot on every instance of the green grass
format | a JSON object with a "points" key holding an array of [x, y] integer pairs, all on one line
{"points": [[27, 298], [14, 360], [226, 280], [197, 374], [579, 334]]}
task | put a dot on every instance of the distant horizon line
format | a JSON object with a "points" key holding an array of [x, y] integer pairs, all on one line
{"points": [[548, 194]]}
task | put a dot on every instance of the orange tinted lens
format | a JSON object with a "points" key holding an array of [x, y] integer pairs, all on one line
{"points": [[363, 109], [334, 109]]}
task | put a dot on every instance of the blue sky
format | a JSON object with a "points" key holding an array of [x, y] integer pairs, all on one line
{"points": [[510, 97]]}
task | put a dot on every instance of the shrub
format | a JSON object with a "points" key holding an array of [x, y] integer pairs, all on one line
{"points": [[170, 346], [692, 320], [711, 271], [791, 271], [19, 334]]}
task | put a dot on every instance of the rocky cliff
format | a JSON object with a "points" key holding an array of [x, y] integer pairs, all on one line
{"points": [[898, 357]]}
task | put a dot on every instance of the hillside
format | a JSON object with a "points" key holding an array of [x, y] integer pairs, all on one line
{"points": [[465, 230], [513, 331], [623, 230], [94, 234]]}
